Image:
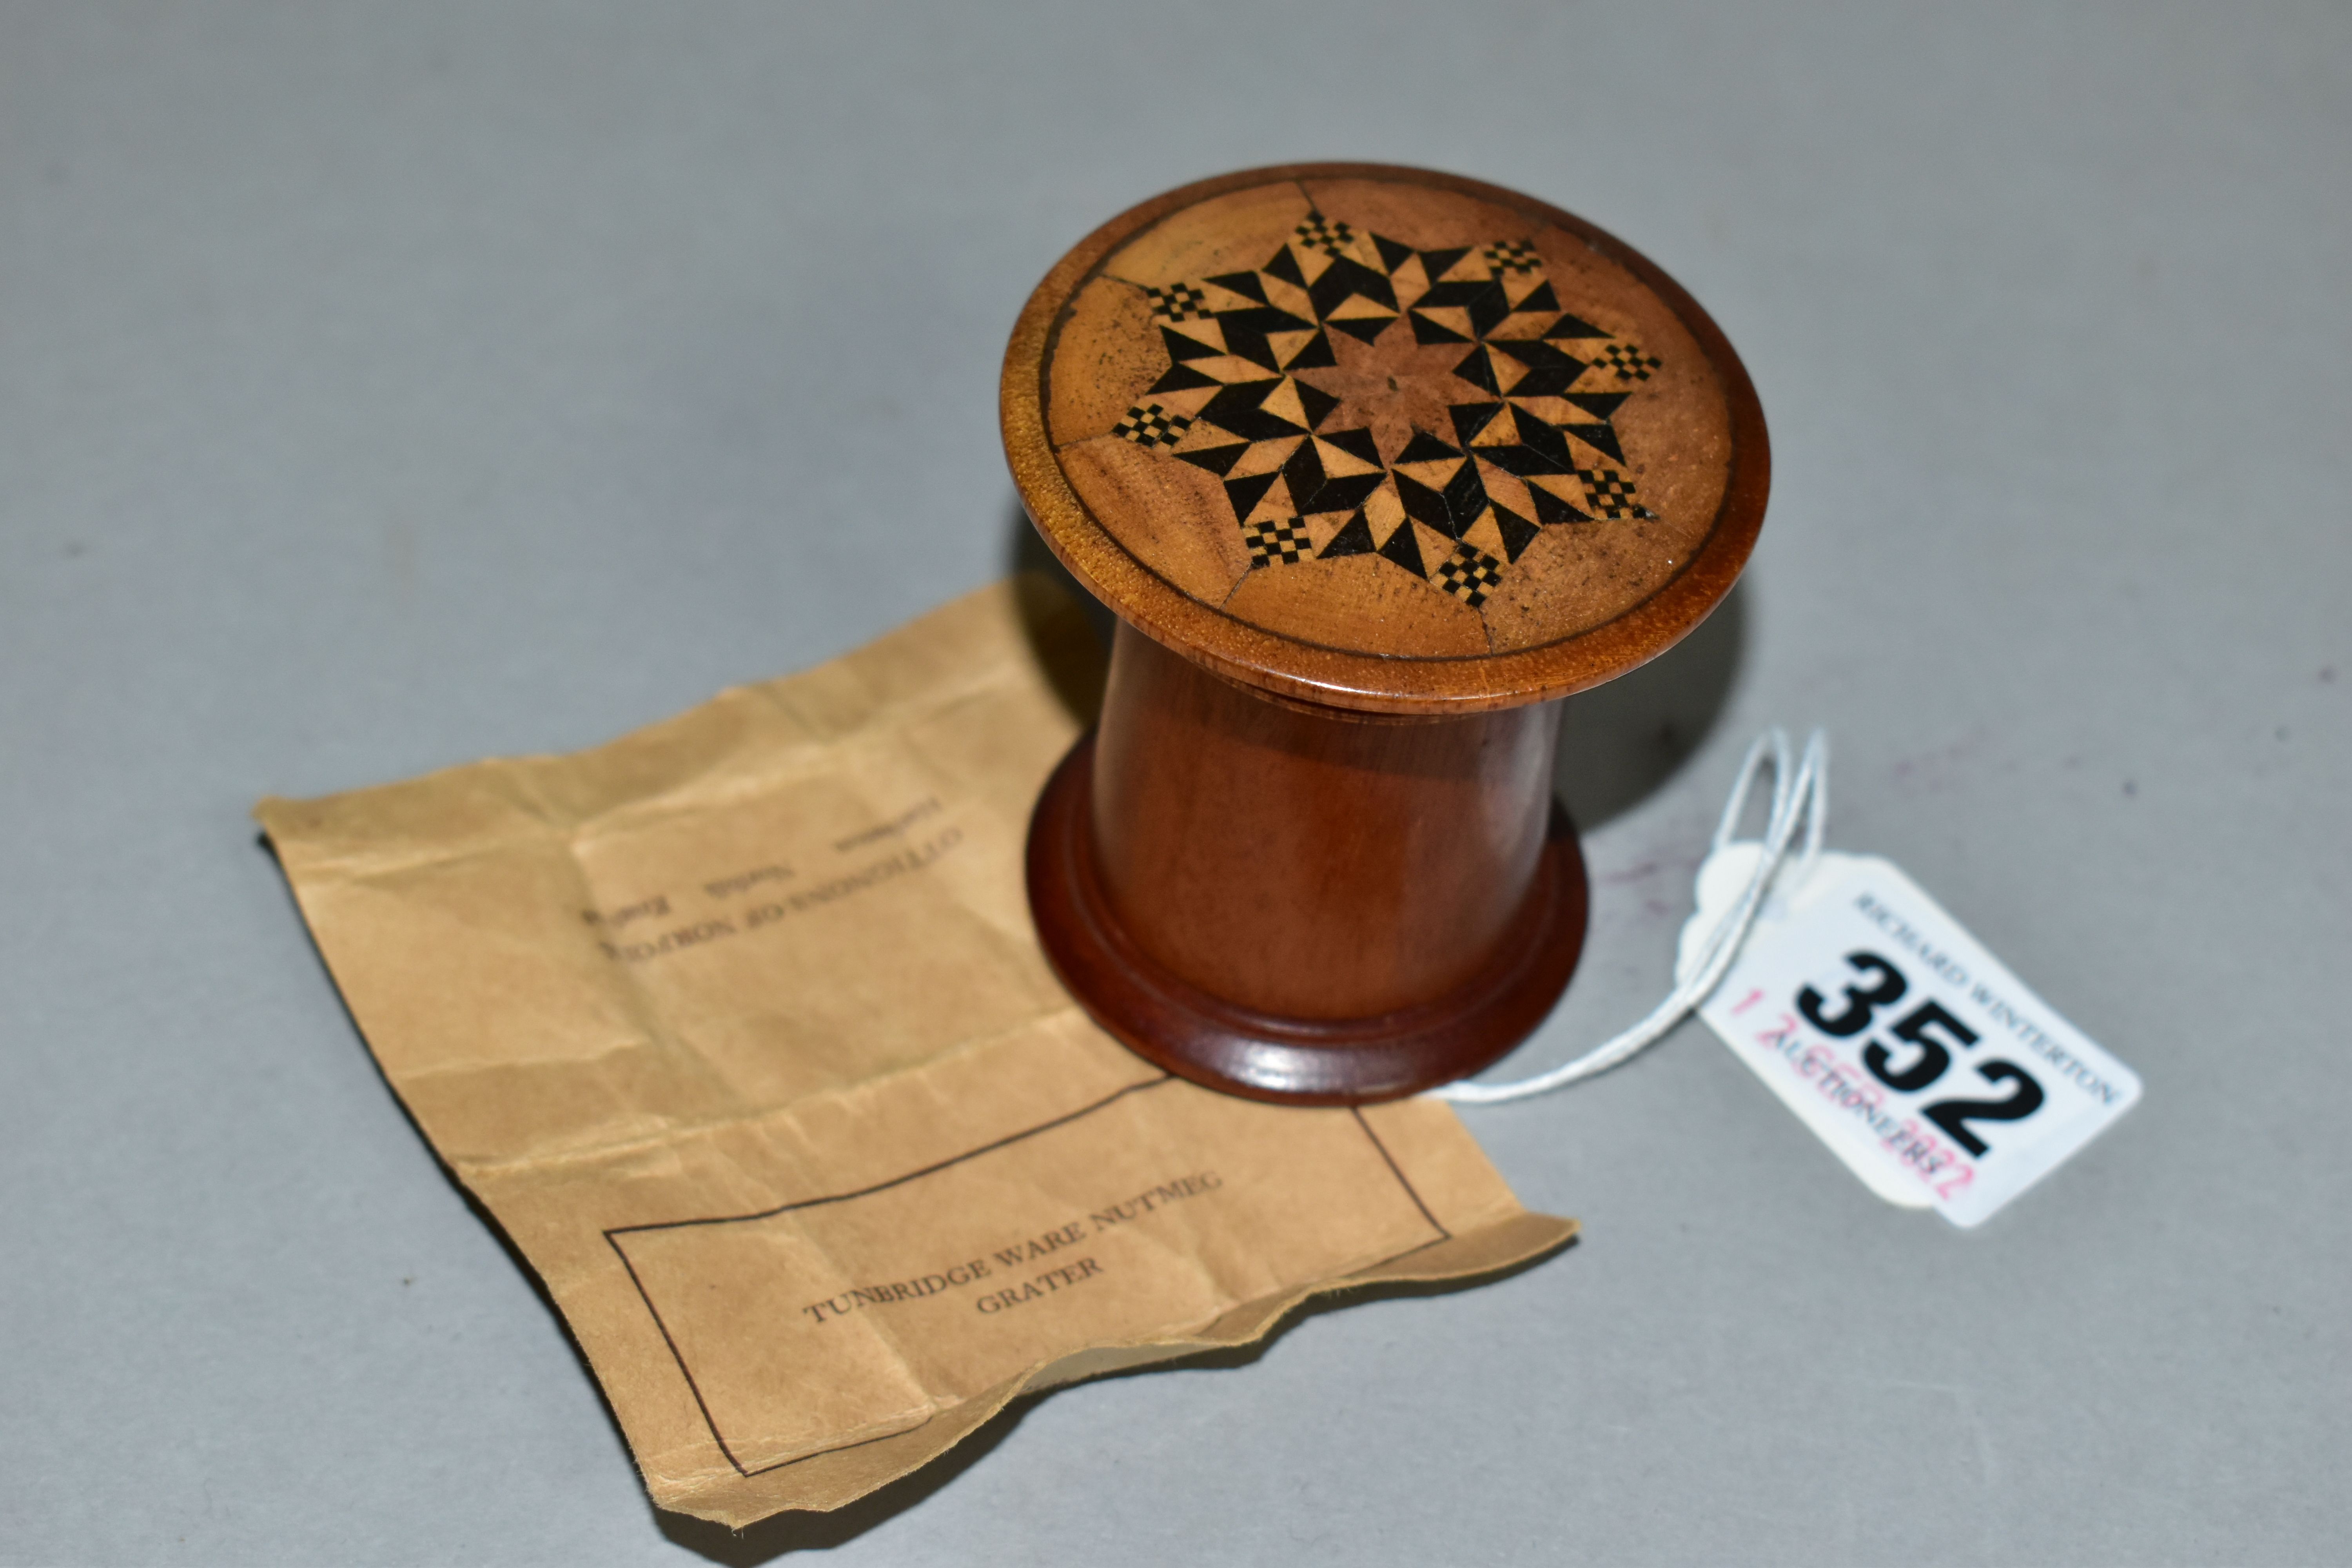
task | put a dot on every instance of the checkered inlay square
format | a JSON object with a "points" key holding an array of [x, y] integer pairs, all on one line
{"points": [[1511, 256], [1151, 426], [1320, 232], [1611, 494], [1468, 573], [1630, 362], [1276, 539], [1177, 302]]}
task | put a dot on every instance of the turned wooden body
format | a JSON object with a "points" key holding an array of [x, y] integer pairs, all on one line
{"points": [[1309, 861], [1375, 467], [1301, 903]]}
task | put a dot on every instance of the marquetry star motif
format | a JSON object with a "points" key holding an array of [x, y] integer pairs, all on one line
{"points": [[1356, 396]]}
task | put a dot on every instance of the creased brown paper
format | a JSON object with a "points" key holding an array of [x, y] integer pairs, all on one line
{"points": [[739, 1027]]}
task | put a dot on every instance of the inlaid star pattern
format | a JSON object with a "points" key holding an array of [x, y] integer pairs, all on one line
{"points": [[1356, 396]]}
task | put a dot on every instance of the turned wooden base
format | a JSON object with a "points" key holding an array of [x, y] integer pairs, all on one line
{"points": [[1297, 1061], [1257, 838]]}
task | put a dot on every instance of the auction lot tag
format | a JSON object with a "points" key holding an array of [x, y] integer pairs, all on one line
{"points": [[1931, 1070]]}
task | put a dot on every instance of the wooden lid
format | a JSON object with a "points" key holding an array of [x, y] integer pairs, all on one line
{"points": [[1383, 439]]}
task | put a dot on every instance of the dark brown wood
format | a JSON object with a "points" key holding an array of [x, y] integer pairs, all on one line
{"points": [[1301, 904], [1375, 466]]}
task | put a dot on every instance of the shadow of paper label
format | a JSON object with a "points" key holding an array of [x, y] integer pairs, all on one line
{"points": [[1157, 1209]]}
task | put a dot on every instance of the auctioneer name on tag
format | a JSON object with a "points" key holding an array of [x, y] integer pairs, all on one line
{"points": [[1935, 1074]]}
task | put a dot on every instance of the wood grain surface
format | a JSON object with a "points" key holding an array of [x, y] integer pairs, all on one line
{"points": [[1299, 904], [1384, 439]]}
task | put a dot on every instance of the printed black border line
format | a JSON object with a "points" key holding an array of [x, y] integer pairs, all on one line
{"points": [[710, 1423], [895, 1180], [1398, 1170]]}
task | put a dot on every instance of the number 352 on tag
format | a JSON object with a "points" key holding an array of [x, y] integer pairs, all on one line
{"points": [[1923, 1064]]}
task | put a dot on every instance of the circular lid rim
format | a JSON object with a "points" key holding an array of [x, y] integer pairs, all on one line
{"points": [[1314, 672]]}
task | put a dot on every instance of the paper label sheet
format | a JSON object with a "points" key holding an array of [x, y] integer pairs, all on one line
{"points": [[739, 1027]]}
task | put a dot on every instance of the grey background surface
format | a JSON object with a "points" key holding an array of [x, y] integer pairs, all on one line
{"points": [[381, 387]]}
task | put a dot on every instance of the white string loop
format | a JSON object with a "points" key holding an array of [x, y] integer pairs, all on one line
{"points": [[1800, 799]]}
